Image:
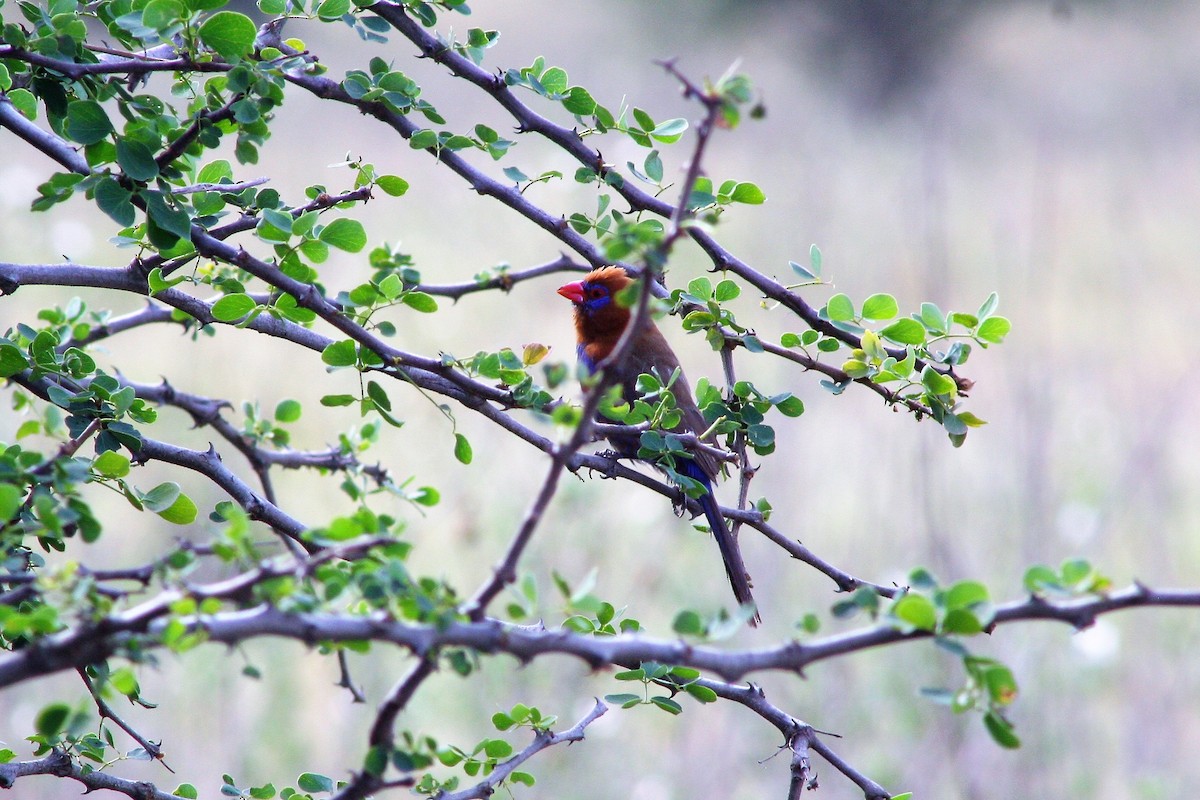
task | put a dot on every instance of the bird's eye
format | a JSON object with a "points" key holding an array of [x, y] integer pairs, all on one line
{"points": [[596, 291]]}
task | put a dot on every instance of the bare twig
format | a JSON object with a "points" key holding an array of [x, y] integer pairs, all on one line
{"points": [[504, 281], [106, 712], [542, 739], [220, 187], [345, 681]]}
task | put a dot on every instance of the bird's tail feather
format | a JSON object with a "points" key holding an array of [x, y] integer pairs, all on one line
{"points": [[731, 554]]}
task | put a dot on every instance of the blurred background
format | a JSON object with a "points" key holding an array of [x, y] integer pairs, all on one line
{"points": [[936, 150]]}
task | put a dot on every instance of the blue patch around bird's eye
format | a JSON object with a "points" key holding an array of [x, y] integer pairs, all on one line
{"points": [[596, 298]]}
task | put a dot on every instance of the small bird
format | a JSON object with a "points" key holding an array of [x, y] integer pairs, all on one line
{"points": [[599, 323]]}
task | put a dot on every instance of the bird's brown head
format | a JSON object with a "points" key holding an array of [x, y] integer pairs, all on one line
{"points": [[598, 315]]}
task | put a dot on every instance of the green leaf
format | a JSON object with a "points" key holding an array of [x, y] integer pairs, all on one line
{"points": [[970, 420], [1000, 683], [667, 704], [340, 354], [937, 383], [51, 719], [760, 435], [880, 307], [335, 400], [136, 160], [791, 406], [229, 33], [376, 761], [701, 693], [161, 497], [966, 593], [24, 101], [726, 290], [579, 101], [828, 345], [989, 306], [904, 331], [378, 396], [643, 119], [344, 234], [654, 166], [288, 410], [855, 368], [943, 697], [554, 80], [1040, 577], [124, 681], [110, 464], [840, 308], [233, 307], [671, 131], [157, 283], [748, 193], [688, 623], [427, 496], [933, 318], [457, 142], [701, 288], [961, 622], [922, 578], [872, 346], [12, 360], [10, 501], [86, 122], [994, 329], [116, 201], [312, 782], [392, 184], [172, 220], [916, 610], [215, 171], [497, 748], [1001, 730], [186, 791], [966, 320], [804, 272], [462, 449], [423, 139], [420, 301], [333, 9]]}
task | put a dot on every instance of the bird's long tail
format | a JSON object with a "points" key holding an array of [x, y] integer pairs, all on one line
{"points": [[731, 554]]}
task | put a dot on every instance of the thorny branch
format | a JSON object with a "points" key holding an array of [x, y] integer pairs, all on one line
{"points": [[73, 648]]}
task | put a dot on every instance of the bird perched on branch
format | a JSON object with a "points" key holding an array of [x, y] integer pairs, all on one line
{"points": [[599, 322]]}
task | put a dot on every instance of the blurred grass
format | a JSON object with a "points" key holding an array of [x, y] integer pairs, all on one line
{"points": [[1054, 159]]}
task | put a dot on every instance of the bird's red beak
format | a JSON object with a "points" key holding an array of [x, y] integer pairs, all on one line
{"points": [[573, 292]]}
